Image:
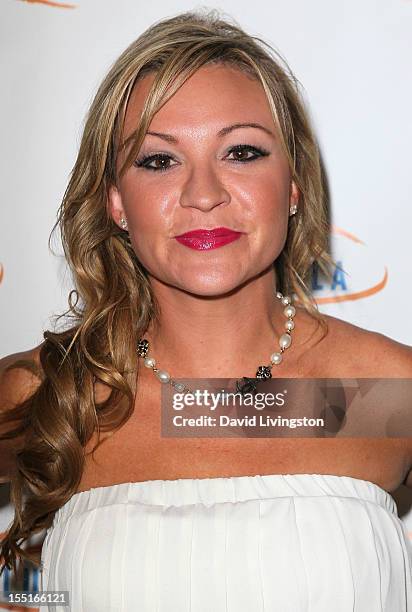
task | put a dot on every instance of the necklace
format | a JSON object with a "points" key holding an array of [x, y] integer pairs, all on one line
{"points": [[244, 385]]}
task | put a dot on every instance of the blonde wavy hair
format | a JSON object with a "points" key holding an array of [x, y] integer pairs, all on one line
{"points": [[112, 303]]}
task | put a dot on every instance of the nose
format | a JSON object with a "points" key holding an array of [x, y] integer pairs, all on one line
{"points": [[203, 190]]}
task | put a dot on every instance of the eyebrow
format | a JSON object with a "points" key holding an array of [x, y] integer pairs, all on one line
{"points": [[220, 134]]}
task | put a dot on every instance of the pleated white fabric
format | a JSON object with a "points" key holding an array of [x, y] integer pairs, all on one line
{"points": [[270, 543]]}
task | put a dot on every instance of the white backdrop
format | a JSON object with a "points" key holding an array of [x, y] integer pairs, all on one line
{"points": [[353, 61]]}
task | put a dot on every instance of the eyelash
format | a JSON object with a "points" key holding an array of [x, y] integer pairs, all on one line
{"points": [[144, 161]]}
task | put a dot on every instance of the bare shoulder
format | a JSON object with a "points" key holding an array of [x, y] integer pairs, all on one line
{"points": [[20, 374], [348, 351]]}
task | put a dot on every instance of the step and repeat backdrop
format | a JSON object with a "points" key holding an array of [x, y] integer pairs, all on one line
{"points": [[352, 60]]}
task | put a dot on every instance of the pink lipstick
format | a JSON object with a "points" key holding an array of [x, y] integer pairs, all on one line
{"points": [[206, 239]]}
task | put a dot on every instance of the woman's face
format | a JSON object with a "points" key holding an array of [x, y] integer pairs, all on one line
{"points": [[197, 170]]}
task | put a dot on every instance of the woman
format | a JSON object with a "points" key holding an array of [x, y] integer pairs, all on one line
{"points": [[198, 127]]}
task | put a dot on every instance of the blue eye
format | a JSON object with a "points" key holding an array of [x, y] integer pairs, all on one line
{"points": [[163, 159]]}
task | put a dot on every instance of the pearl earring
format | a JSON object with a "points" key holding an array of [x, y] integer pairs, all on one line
{"points": [[293, 210], [123, 223]]}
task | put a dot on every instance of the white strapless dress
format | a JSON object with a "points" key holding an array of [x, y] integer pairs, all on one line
{"points": [[272, 543]]}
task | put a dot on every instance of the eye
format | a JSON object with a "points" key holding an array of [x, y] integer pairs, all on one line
{"points": [[162, 159], [159, 162], [241, 150]]}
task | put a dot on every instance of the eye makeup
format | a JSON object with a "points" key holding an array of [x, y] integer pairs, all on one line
{"points": [[146, 160]]}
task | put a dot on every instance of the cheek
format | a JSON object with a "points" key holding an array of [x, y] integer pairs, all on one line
{"points": [[147, 208], [269, 240], [267, 209], [148, 213]]}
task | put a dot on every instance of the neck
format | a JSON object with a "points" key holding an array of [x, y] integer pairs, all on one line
{"points": [[216, 337]]}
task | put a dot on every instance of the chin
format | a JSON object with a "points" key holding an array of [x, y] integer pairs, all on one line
{"points": [[209, 286]]}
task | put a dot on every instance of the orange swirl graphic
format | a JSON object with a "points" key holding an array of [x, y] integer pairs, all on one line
{"points": [[14, 608], [358, 295], [49, 3], [342, 232]]}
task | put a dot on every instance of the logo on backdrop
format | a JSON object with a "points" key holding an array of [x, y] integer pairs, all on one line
{"points": [[359, 273]]}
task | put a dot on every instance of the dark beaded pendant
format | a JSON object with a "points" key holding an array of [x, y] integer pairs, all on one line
{"points": [[247, 386], [263, 372], [142, 347]]}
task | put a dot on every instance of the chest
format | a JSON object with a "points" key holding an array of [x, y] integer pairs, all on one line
{"points": [[138, 452]]}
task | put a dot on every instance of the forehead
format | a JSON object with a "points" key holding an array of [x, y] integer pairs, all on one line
{"points": [[212, 97]]}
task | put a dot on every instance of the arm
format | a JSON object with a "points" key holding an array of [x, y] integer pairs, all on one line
{"points": [[399, 356], [403, 359], [408, 480]]}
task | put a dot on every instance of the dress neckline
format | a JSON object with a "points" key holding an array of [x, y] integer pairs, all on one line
{"points": [[207, 492], [226, 478]]}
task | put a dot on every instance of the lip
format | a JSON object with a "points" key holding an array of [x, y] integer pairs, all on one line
{"points": [[206, 239]]}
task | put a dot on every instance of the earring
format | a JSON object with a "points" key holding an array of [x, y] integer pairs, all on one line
{"points": [[123, 223], [293, 210]]}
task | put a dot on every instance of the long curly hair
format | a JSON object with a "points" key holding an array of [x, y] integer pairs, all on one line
{"points": [[113, 303]]}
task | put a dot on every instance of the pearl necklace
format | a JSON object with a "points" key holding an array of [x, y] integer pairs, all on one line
{"points": [[246, 384]]}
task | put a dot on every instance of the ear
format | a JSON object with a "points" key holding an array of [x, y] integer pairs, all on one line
{"points": [[294, 194], [114, 205]]}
